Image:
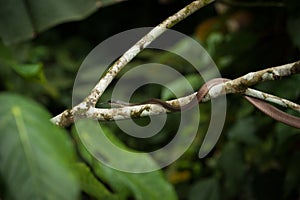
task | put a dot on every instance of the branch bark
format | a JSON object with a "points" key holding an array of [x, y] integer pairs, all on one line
{"points": [[239, 86], [87, 108], [100, 87], [66, 117]]}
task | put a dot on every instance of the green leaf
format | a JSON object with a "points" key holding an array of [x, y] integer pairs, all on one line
{"points": [[22, 20], [142, 186], [36, 157], [31, 71], [207, 189], [6, 56], [91, 185]]}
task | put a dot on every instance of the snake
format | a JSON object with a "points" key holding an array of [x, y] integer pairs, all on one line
{"points": [[263, 106]]}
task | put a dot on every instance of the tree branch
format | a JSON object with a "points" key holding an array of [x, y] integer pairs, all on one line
{"points": [[87, 109], [100, 87], [239, 85], [66, 117]]}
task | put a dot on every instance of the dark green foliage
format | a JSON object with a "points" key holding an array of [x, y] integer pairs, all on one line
{"points": [[29, 18], [37, 159]]}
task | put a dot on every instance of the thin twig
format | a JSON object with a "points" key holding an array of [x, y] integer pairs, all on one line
{"points": [[272, 99]]}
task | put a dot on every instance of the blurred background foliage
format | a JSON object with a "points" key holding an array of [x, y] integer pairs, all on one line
{"points": [[255, 158]]}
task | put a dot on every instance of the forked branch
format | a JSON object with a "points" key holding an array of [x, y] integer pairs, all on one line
{"points": [[239, 85], [87, 108]]}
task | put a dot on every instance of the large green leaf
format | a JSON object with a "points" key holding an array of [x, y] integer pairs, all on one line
{"points": [[21, 20], [36, 157], [143, 186], [91, 185]]}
